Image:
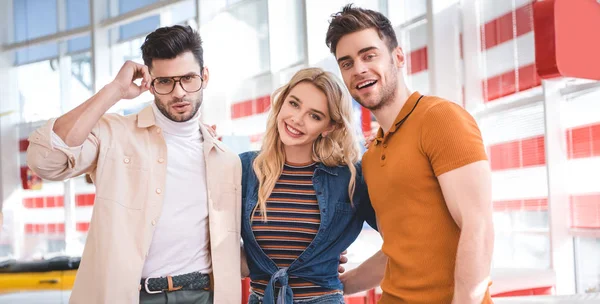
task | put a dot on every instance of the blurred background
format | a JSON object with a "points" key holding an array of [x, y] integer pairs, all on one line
{"points": [[542, 136]]}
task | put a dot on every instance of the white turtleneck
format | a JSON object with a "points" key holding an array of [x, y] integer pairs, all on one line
{"points": [[181, 238], [181, 241]]}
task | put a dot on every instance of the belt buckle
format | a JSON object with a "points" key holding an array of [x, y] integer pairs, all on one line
{"points": [[148, 290]]}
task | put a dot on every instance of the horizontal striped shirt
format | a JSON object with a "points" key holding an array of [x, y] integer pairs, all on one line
{"points": [[293, 221]]}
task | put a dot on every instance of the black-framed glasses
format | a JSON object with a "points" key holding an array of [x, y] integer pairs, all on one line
{"points": [[165, 85]]}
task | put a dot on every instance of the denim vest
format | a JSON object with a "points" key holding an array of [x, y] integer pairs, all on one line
{"points": [[341, 222]]}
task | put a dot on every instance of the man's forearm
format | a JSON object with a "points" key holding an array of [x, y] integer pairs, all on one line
{"points": [[74, 126], [473, 261], [366, 276]]}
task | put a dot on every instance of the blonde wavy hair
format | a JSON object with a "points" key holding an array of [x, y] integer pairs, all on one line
{"points": [[341, 150]]}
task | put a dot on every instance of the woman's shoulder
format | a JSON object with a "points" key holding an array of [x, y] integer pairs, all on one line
{"points": [[248, 157], [343, 171]]}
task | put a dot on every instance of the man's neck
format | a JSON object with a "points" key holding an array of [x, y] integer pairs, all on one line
{"points": [[388, 114], [190, 128]]}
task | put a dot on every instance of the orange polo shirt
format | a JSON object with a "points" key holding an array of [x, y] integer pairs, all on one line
{"points": [[401, 169]]}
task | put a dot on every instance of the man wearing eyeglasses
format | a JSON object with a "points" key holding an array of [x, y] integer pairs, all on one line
{"points": [[166, 223]]}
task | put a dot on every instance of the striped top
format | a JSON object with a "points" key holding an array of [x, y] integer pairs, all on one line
{"points": [[293, 219]]}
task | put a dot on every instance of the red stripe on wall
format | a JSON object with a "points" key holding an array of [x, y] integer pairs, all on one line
{"points": [[23, 144], [536, 204], [418, 61], [582, 142], [81, 200], [500, 30], [51, 228], [365, 121], [526, 292], [43, 202], [84, 199], [251, 107], [54, 228], [82, 227], [510, 82], [518, 154], [585, 211]]}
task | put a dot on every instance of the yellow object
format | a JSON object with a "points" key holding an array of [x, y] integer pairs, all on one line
{"points": [[29, 281], [6, 113], [54, 274]]}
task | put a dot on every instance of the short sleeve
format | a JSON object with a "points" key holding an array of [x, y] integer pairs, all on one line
{"points": [[450, 138]]}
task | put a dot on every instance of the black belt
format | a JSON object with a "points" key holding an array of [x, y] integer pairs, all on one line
{"points": [[188, 281]]}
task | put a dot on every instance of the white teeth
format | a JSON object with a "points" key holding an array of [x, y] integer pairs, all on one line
{"points": [[293, 131], [364, 84]]}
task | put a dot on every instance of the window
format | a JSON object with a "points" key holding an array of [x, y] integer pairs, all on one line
{"points": [[80, 86], [236, 42], [581, 125], [403, 11], [514, 139], [413, 40], [286, 24], [78, 15], [140, 27], [588, 264], [39, 90]]}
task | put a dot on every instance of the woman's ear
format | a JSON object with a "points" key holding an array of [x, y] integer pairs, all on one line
{"points": [[331, 128]]}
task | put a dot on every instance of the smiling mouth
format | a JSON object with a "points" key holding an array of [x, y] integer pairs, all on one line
{"points": [[365, 84], [293, 131]]}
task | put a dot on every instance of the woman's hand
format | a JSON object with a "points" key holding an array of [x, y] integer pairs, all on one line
{"points": [[211, 129], [369, 140], [343, 260]]}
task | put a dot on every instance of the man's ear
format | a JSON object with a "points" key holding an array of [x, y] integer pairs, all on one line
{"points": [[205, 77], [399, 58]]}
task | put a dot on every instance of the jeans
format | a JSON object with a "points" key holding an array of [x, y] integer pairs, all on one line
{"points": [[334, 298]]}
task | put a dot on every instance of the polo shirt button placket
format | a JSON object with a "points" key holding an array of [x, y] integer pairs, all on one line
{"points": [[383, 146]]}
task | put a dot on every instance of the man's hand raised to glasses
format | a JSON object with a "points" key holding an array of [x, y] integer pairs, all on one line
{"points": [[130, 72]]}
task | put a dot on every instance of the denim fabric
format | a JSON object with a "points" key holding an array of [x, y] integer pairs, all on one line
{"points": [[335, 298], [341, 222]]}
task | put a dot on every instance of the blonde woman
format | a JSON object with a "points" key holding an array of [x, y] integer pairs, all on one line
{"points": [[304, 200]]}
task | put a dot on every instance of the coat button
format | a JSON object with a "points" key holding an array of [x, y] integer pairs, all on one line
{"points": [[158, 191], [385, 145], [153, 222], [383, 157], [126, 160], [158, 130], [161, 160]]}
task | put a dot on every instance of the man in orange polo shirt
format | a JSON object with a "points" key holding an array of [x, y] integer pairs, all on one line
{"points": [[427, 173]]}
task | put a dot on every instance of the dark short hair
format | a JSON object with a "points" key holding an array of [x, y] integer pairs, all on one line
{"points": [[353, 19], [171, 41]]}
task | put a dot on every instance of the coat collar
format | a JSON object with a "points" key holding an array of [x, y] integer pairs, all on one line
{"points": [[146, 119]]}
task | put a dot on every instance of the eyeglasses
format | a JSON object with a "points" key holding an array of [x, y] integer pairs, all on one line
{"points": [[165, 85]]}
